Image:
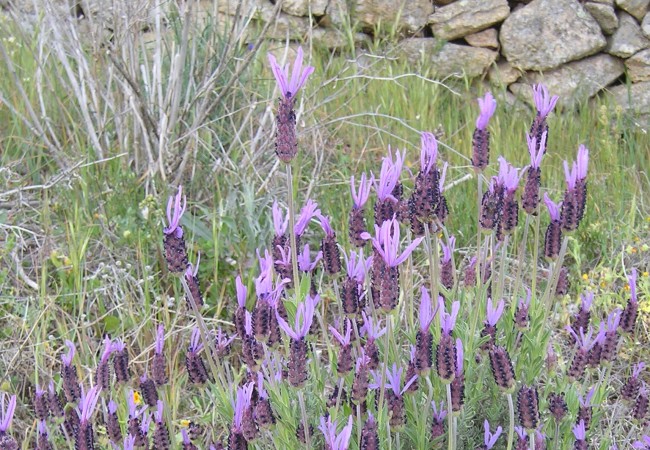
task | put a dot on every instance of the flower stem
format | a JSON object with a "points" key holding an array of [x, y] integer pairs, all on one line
{"points": [[535, 256], [531, 440], [292, 232], [450, 421], [511, 426], [520, 260], [432, 254], [303, 412]]}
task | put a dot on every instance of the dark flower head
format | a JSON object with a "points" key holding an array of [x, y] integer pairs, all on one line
{"points": [[360, 197], [489, 439], [174, 213], [290, 85]]}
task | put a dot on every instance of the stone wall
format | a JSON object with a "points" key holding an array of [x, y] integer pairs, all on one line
{"points": [[577, 48]]}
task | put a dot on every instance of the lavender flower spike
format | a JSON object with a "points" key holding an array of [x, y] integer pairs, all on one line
{"points": [[487, 105], [643, 445], [343, 339], [448, 250], [242, 292], [309, 211], [303, 319], [67, 358], [394, 380], [241, 404], [426, 312], [360, 197], [543, 102], [371, 329], [160, 339], [631, 280], [490, 439], [305, 262], [174, 213], [448, 321], [494, 313], [289, 86], [7, 414]]}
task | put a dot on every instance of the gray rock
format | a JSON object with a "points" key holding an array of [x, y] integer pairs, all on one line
{"points": [[638, 66], [638, 8], [634, 98], [334, 39], [408, 15], [466, 17], [486, 39], [302, 8], [503, 74], [447, 59], [628, 39], [575, 81], [604, 2], [336, 14], [604, 15], [284, 26], [547, 33], [645, 25]]}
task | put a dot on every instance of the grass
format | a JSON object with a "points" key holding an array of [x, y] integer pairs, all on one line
{"points": [[92, 145]]}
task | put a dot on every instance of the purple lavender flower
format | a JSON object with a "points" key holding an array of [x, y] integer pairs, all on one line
{"points": [[580, 433], [241, 405], [148, 389], [161, 437], [194, 364], [112, 422], [522, 438], [369, 435], [585, 408], [360, 196], [575, 195], [580, 359], [356, 220], [297, 364], [42, 440], [389, 188], [372, 332], [428, 152], [308, 212], [290, 85], [536, 149], [334, 441], [508, 218], [553, 236], [360, 383], [121, 361], [521, 313], [458, 384], [490, 439], [611, 337], [159, 363], [69, 374], [644, 444], [6, 440], [439, 414], [448, 320], [345, 358], [633, 384], [640, 410], [394, 394], [352, 289], [493, 314], [446, 266], [582, 318], [305, 263], [423, 357], [222, 342], [528, 406], [191, 276], [446, 350], [631, 311], [543, 101], [242, 293], [481, 137], [286, 145], [329, 247], [187, 443], [40, 403], [173, 240], [103, 373], [85, 438]]}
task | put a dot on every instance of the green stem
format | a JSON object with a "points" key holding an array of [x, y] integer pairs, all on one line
{"points": [[557, 435], [511, 427], [535, 257], [531, 440], [303, 412], [451, 445], [502, 269], [434, 271], [292, 232], [520, 260], [552, 282]]}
